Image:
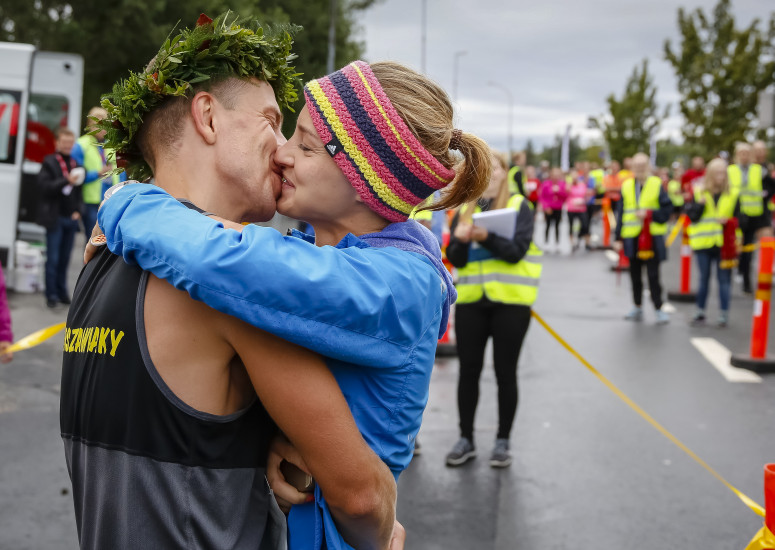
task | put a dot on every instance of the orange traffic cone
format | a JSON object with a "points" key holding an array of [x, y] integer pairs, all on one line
{"points": [[757, 360], [684, 294], [623, 264], [764, 539]]}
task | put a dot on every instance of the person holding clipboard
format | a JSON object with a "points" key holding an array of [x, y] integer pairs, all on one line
{"points": [[499, 268]]}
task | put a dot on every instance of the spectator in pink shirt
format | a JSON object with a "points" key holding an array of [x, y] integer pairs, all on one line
{"points": [[6, 336], [552, 197], [576, 206]]}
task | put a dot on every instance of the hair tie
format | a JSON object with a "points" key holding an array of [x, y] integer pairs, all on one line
{"points": [[454, 142]]}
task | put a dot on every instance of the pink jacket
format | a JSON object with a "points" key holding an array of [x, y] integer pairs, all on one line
{"points": [[5, 313], [577, 198], [553, 194]]}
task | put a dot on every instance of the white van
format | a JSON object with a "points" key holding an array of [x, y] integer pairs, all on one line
{"points": [[39, 91]]}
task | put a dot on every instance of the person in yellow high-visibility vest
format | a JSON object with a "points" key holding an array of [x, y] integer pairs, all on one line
{"points": [[714, 204], [497, 285], [640, 194], [516, 176], [89, 153], [675, 190], [745, 177]]}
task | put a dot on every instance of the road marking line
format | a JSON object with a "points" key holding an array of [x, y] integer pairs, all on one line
{"points": [[719, 356]]}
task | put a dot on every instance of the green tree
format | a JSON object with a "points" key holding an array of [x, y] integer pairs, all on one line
{"points": [[721, 70], [122, 35], [628, 125]]}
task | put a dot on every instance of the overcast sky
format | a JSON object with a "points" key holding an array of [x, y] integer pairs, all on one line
{"points": [[559, 58]]}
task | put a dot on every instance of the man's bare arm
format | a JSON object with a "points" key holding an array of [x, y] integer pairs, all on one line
{"points": [[304, 399]]}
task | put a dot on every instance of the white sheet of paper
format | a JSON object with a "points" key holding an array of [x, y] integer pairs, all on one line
{"points": [[502, 222]]}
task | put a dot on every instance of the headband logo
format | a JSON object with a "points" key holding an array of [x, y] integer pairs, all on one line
{"points": [[333, 146]]}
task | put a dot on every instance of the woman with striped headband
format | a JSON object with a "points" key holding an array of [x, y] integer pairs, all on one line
{"points": [[373, 297]]}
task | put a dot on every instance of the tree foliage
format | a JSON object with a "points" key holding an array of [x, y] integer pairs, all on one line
{"points": [[721, 70], [121, 35], [628, 125]]}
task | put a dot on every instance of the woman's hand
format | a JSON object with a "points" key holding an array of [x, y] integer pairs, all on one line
{"points": [[478, 234], [285, 493], [91, 249], [463, 232]]}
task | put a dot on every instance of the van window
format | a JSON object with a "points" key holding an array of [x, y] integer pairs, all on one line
{"points": [[45, 113], [9, 124]]}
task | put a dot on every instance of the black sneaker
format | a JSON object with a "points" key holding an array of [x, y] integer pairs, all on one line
{"points": [[417, 447], [462, 452], [698, 319], [501, 456], [65, 300], [51, 304]]}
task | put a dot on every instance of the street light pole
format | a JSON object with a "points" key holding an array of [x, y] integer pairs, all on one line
{"points": [[458, 55], [423, 34], [510, 113]]}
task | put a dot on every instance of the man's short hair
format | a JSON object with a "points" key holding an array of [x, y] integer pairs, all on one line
{"points": [[162, 128], [213, 51], [63, 131]]}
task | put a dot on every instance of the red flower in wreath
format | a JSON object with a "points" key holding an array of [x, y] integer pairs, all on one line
{"points": [[203, 20]]}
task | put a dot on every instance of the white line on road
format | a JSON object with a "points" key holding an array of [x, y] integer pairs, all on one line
{"points": [[719, 357]]}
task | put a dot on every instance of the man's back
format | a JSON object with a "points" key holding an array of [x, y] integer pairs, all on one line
{"points": [[148, 469]]}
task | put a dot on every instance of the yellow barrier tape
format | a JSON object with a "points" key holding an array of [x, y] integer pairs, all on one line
{"points": [[764, 540], [676, 230], [35, 338], [648, 418]]}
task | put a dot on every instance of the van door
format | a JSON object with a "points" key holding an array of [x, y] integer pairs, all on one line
{"points": [[15, 74], [55, 100]]}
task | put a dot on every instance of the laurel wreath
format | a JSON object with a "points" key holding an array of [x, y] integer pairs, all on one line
{"points": [[212, 50]]}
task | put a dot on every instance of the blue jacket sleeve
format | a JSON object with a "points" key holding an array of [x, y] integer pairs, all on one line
{"points": [[357, 304], [78, 155]]}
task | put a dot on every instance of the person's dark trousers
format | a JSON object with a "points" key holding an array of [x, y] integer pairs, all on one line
{"points": [[705, 261], [89, 217], [655, 287], [59, 245], [474, 324], [554, 218], [744, 268]]}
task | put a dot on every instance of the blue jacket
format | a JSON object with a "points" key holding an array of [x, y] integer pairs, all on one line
{"points": [[374, 306]]}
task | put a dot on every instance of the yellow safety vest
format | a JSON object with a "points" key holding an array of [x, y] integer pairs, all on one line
{"points": [[92, 161], [599, 176], [513, 187], [751, 202], [708, 232], [502, 281], [649, 200], [675, 193]]}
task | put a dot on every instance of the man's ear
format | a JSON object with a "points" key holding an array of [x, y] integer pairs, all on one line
{"points": [[203, 108]]}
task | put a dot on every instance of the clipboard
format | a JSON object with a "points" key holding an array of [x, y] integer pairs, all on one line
{"points": [[501, 222]]}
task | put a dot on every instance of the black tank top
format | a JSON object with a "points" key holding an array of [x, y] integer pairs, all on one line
{"points": [[149, 471]]}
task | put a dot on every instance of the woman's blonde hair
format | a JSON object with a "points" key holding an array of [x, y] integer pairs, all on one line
{"points": [[501, 199], [427, 111], [716, 164]]}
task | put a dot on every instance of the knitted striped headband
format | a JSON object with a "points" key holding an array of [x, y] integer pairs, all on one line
{"points": [[371, 144]]}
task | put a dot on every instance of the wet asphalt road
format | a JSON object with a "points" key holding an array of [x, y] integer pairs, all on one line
{"points": [[588, 472]]}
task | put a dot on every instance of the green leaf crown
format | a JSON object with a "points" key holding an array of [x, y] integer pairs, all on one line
{"points": [[211, 51]]}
